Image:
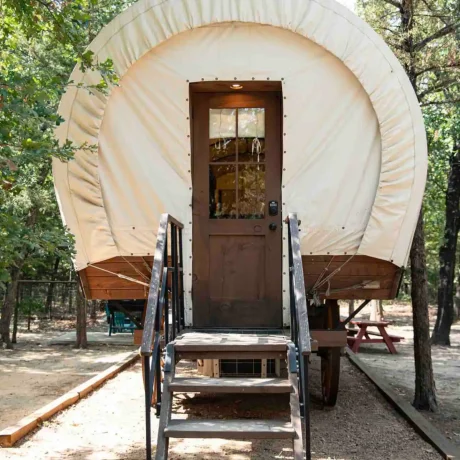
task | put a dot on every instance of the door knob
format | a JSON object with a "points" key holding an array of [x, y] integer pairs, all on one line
{"points": [[272, 227]]}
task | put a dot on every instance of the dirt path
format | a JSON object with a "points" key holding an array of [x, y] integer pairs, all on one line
{"points": [[109, 424], [34, 374], [399, 369]]}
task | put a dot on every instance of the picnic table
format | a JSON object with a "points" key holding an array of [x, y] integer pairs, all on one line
{"points": [[361, 335]]}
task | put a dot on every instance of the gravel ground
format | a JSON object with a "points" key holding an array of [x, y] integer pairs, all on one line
{"points": [[399, 369], [34, 373], [109, 424]]}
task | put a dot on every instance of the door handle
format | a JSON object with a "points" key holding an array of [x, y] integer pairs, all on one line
{"points": [[272, 227]]}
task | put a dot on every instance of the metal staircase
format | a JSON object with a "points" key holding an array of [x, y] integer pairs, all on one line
{"points": [[162, 384], [238, 346]]}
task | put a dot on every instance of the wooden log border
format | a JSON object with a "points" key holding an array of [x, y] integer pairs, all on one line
{"points": [[421, 424], [12, 434]]}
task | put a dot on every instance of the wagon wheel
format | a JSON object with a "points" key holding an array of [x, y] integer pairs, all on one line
{"points": [[330, 358]]}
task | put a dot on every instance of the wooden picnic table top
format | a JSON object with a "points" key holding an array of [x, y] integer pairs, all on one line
{"points": [[370, 323]]}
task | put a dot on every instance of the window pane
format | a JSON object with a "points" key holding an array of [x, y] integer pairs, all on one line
{"points": [[251, 134], [222, 134], [251, 191], [222, 192]]}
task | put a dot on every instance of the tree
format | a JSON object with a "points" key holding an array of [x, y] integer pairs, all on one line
{"points": [[81, 337], [40, 43], [448, 249], [422, 35], [49, 295]]}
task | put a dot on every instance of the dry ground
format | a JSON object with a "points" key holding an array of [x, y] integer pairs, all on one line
{"points": [[109, 424], [34, 373], [399, 369]]}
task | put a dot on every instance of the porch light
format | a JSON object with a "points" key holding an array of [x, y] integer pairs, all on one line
{"points": [[236, 86]]}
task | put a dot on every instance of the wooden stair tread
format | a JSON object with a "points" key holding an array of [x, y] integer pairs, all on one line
{"points": [[230, 385], [230, 429], [195, 341]]}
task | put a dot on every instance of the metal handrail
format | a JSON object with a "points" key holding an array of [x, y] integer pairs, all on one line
{"points": [[300, 329], [298, 294], [158, 308], [158, 264]]}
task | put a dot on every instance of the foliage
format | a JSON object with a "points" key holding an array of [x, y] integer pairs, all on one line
{"points": [[29, 306], [40, 42], [443, 130], [425, 36]]}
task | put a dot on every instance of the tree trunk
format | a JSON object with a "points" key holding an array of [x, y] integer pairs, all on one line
{"points": [[71, 299], [351, 309], [447, 256], [10, 297], [8, 306], [16, 316], [49, 295], [457, 300], [82, 340], [380, 315], [425, 391], [93, 311], [373, 312]]}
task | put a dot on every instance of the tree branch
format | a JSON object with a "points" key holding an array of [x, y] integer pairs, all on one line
{"points": [[439, 34], [453, 101], [438, 87], [440, 68], [394, 3]]}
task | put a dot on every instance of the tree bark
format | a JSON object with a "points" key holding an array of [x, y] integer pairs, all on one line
{"points": [[10, 297], [49, 295], [351, 309], [447, 255], [457, 300], [425, 390], [381, 315], [8, 306], [16, 316], [82, 340], [93, 311]]}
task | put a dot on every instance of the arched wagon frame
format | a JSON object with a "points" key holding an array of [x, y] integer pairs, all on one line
{"points": [[230, 115]]}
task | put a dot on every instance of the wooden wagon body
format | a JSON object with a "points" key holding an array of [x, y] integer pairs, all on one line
{"points": [[230, 115]]}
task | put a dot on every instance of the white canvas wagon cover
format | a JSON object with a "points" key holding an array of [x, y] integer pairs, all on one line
{"points": [[354, 148]]}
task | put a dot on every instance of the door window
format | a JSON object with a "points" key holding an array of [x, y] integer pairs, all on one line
{"points": [[236, 163]]}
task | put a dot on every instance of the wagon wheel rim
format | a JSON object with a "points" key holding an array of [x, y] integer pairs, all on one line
{"points": [[330, 362], [330, 374]]}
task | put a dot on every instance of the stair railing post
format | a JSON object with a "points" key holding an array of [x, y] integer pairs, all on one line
{"points": [[157, 365], [148, 402], [304, 360], [165, 306], [181, 278], [175, 277]]}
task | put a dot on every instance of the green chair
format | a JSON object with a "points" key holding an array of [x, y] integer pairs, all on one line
{"points": [[120, 323]]}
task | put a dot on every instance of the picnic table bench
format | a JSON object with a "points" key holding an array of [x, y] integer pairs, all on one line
{"points": [[361, 335]]}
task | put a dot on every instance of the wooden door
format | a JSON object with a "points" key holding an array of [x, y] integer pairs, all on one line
{"points": [[237, 266]]}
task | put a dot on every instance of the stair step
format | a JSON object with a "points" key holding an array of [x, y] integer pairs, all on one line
{"points": [[230, 429], [230, 385], [194, 341]]}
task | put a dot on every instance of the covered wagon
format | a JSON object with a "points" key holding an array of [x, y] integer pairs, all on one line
{"points": [[271, 153]]}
